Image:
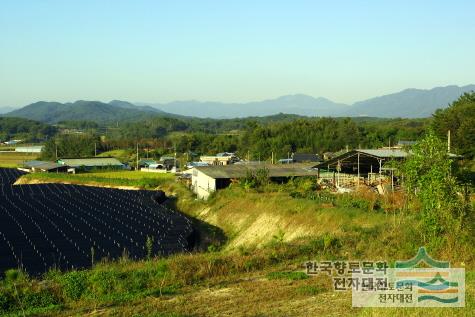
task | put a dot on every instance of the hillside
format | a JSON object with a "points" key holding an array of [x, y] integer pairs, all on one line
{"points": [[54, 112], [24, 129]]}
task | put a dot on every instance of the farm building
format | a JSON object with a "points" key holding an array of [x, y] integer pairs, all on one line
{"points": [[29, 149], [305, 157], [364, 161], [92, 162], [12, 142], [207, 179], [359, 166], [43, 166], [145, 163], [224, 158]]}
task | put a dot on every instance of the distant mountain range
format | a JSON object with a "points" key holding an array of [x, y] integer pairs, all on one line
{"points": [[409, 103], [292, 104], [6, 109]]}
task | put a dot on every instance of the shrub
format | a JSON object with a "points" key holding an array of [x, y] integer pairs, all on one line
{"points": [[311, 290], [293, 276], [39, 298], [14, 275], [7, 300], [330, 242], [362, 200], [74, 284], [103, 282]]}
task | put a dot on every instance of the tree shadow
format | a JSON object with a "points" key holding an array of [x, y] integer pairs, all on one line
{"points": [[204, 236]]}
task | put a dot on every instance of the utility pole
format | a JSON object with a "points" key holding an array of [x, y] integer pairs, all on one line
{"points": [[95, 148], [137, 163], [448, 141], [358, 169]]}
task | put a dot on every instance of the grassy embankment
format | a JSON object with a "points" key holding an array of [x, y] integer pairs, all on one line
{"points": [[268, 233]]}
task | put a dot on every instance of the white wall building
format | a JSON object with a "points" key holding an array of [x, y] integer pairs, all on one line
{"points": [[207, 179]]}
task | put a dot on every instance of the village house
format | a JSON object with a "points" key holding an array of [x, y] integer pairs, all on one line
{"points": [[224, 158]]}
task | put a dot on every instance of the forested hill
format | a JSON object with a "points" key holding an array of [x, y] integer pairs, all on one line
{"points": [[24, 129], [100, 112]]}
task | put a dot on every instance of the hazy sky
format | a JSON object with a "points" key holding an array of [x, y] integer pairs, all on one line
{"points": [[224, 50]]}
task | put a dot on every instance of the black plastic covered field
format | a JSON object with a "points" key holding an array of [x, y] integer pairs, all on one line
{"points": [[69, 226]]}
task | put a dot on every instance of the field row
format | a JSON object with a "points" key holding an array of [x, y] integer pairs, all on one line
{"points": [[69, 226]]}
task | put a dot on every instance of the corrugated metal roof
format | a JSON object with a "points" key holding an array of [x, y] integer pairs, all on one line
{"points": [[90, 162], [240, 171], [147, 161], [34, 163], [385, 153], [43, 165]]}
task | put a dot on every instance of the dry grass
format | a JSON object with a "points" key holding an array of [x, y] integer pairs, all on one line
{"points": [[254, 295], [253, 219]]}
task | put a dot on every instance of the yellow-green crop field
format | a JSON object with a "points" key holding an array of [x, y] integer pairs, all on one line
{"points": [[107, 178], [14, 159]]}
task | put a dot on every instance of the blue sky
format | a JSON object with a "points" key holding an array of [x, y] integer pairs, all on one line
{"points": [[159, 51]]}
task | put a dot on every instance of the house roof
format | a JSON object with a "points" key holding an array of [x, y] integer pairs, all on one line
{"points": [[42, 165], [240, 171], [309, 157], [90, 162], [366, 155], [147, 161], [405, 142], [225, 154], [385, 153]]}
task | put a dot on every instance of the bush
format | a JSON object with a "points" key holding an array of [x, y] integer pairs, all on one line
{"points": [[311, 290], [7, 300], [74, 284], [364, 201], [104, 282], [40, 298]]}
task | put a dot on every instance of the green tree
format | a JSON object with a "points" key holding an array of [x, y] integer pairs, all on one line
{"points": [[459, 118], [429, 179]]}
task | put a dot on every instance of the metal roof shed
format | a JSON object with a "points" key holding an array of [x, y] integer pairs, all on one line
{"points": [[91, 162], [362, 161]]}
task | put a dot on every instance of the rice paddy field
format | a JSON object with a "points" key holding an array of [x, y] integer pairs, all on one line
{"points": [[129, 179], [13, 159]]}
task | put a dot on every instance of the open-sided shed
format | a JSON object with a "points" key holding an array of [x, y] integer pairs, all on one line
{"points": [[362, 161]]}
